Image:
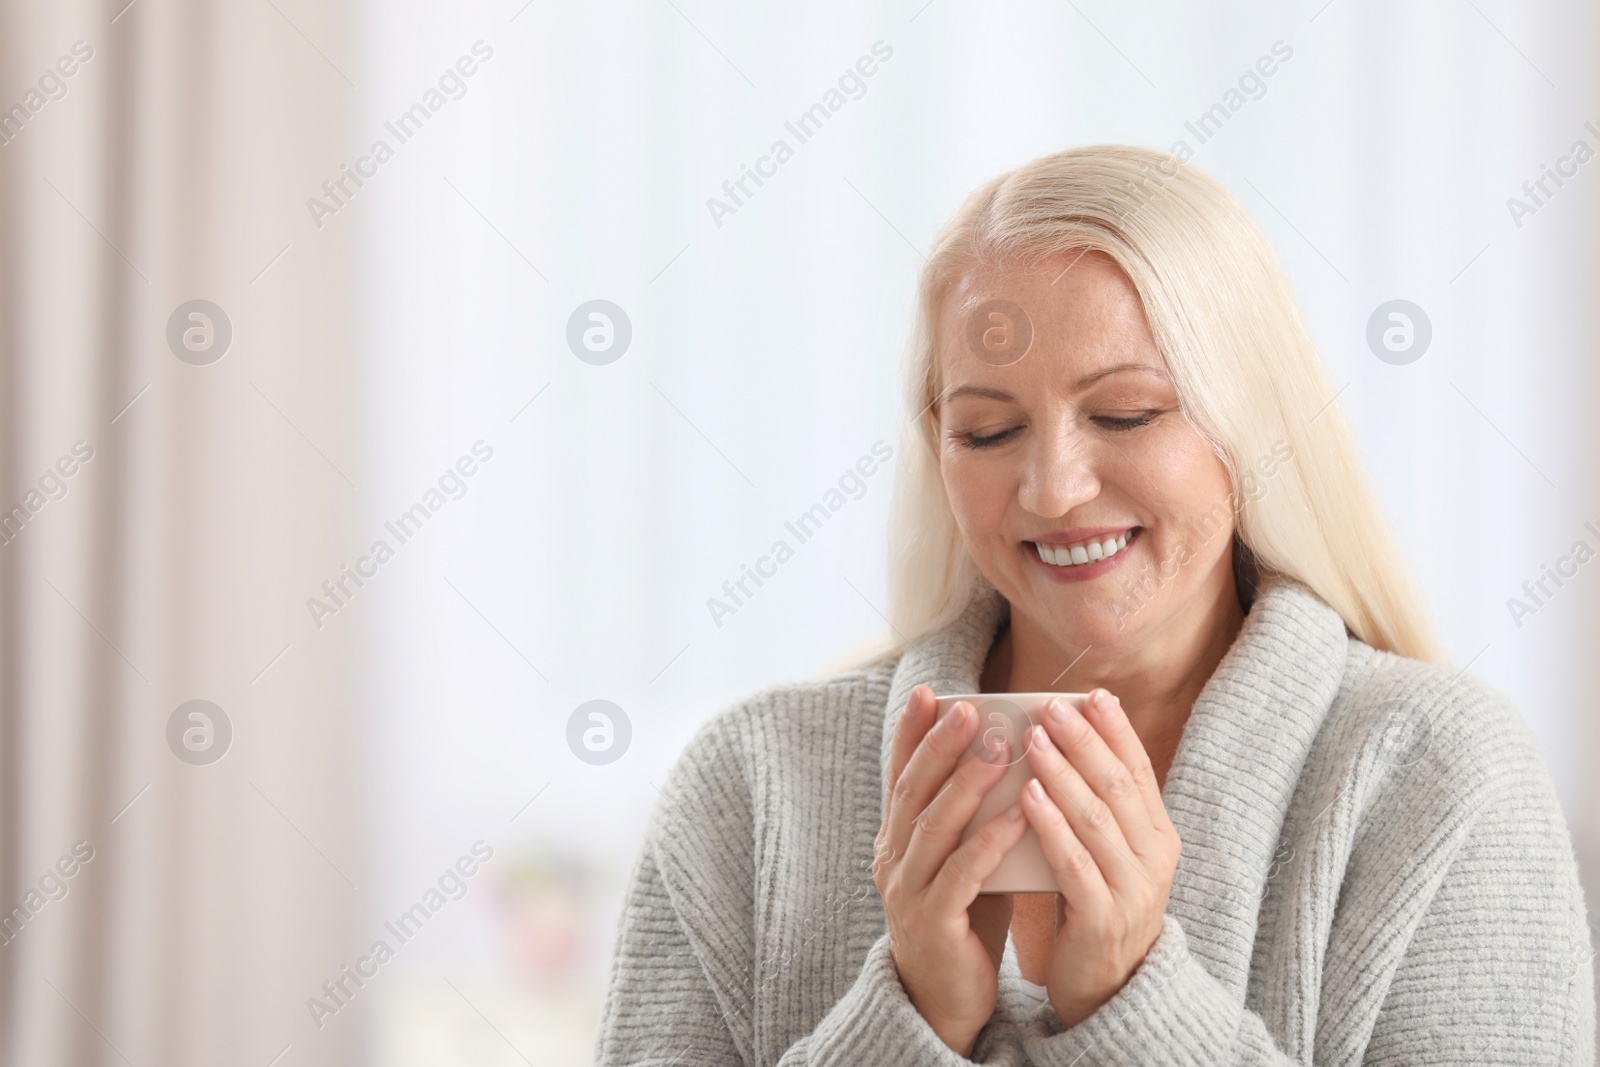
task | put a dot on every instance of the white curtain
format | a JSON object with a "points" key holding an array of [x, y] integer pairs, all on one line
{"points": [[178, 504]]}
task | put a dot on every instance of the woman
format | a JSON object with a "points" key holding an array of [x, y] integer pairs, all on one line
{"points": [[1292, 834]]}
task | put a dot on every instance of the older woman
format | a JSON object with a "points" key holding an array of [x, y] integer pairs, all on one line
{"points": [[1282, 831]]}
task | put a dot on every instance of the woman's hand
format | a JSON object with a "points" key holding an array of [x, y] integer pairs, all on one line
{"points": [[946, 940], [1106, 835]]}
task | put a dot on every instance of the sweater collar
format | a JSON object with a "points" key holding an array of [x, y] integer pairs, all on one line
{"points": [[1238, 760]]}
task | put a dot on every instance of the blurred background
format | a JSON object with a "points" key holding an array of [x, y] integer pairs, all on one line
{"points": [[385, 384]]}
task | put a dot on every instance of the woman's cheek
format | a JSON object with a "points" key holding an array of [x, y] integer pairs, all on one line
{"points": [[965, 489]]}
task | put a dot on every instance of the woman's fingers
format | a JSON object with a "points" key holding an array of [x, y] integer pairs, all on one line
{"points": [[909, 730], [960, 878], [936, 832], [933, 758], [1111, 781], [1093, 822], [1111, 722], [1083, 887]]}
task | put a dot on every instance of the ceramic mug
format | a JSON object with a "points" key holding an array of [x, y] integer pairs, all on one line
{"points": [[1011, 716]]}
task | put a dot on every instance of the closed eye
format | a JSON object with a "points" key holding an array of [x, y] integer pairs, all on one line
{"points": [[1118, 425], [970, 440], [1126, 424]]}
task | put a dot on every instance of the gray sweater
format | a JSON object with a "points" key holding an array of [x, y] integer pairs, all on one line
{"points": [[1375, 870]]}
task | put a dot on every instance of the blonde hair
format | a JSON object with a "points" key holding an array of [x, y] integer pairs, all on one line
{"points": [[1244, 366]]}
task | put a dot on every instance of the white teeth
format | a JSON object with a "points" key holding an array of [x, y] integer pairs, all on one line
{"points": [[1087, 552]]}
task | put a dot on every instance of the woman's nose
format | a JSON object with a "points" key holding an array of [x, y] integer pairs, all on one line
{"points": [[1059, 473]]}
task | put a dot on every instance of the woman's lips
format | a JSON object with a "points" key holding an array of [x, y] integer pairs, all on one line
{"points": [[1083, 572]]}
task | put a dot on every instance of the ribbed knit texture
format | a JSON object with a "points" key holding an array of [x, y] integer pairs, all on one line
{"points": [[1375, 870]]}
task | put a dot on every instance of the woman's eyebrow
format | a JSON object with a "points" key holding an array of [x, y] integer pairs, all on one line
{"points": [[978, 390], [1134, 366], [1084, 383]]}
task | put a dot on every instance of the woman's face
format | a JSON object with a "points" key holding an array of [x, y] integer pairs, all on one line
{"points": [[1080, 440]]}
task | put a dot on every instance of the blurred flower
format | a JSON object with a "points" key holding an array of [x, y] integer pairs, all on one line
{"points": [[542, 897]]}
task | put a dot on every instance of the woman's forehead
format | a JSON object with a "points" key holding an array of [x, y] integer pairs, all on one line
{"points": [[1081, 322]]}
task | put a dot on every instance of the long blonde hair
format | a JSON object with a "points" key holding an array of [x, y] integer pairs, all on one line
{"points": [[1244, 366]]}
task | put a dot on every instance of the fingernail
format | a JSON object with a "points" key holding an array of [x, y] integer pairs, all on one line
{"points": [[1035, 790], [1014, 812], [996, 753], [954, 718], [1104, 702], [1057, 711]]}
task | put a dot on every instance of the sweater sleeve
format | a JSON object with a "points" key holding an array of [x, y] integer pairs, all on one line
{"points": [[1498, 970], [1171, 1011], [683, 988]]}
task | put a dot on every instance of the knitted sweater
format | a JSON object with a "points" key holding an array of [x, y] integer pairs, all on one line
{"points": [[1375, 870]]}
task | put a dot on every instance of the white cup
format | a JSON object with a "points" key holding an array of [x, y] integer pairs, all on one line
{"points": [[1011, 716]]}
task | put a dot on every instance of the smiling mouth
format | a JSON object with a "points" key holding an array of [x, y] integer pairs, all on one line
{"points": [[1083, 553]]}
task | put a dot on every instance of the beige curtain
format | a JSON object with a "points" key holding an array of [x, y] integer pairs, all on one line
{"points": [[165, 519]]}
